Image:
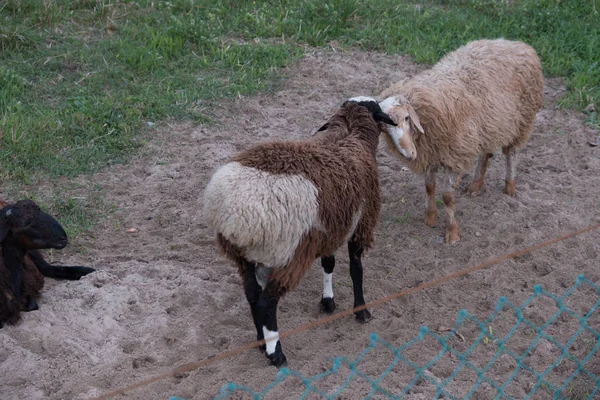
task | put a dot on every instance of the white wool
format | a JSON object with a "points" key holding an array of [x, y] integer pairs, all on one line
{"points": [[388, 103], [358, 99], [327, 285], [263, 213], [271, 339]]}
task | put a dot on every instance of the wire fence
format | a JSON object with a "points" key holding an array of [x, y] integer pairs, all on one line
{"points": [[546, 348]]}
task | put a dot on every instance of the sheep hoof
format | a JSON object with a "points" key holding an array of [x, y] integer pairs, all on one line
{"points": [[451, 234], [431, 218], [475, 187], [328, 305], [262, 347], [278, 359], [31, 304], [79, 272], [511, 188], [363, 316]]}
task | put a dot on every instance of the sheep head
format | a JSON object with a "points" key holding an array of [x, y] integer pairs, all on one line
{"points": [[402, 135], [29, 228], [372, 106]]}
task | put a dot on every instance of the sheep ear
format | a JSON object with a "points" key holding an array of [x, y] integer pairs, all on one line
{"points": [[414, 118], [380, 116], [326, 126]]}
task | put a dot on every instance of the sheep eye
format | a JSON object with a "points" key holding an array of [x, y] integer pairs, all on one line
{"points": [[406, 119]]}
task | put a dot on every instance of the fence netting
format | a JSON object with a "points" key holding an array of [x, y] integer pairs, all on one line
{"points": [[546, 348]]}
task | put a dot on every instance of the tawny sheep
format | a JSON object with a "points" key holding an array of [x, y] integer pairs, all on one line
{"points": [[24, 228], [480, 98], [278, 206]]}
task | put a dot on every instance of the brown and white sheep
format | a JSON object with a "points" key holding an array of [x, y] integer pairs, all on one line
{"points": [[24, 228], [482, 97], [278, 206]]}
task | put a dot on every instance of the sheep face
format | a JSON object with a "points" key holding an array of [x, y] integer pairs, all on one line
{"points": [[402, 136], [29, 228]]}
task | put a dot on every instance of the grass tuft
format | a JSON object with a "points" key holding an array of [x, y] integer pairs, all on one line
{"points": [[79, 80]]}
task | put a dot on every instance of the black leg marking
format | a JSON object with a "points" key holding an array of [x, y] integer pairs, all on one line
{"points": [[356, 272], [327, 301], [267, 315], [31, 304], [328, 263], [253, 291]]}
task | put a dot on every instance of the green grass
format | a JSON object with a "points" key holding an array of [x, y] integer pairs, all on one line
{"points": [[592, 120], [78, 88], [79, 80], [403, 219]]}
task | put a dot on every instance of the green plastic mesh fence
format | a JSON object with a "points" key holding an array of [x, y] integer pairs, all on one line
{"points": [[544, 349]]}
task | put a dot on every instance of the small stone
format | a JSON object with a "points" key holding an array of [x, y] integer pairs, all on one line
{"points": [[204, 275]]}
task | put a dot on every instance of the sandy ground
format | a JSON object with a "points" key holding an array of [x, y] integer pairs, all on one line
{"points": [[163, 296]]}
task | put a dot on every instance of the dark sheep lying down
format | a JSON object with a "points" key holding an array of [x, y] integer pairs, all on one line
{"points": [[24, 229]]}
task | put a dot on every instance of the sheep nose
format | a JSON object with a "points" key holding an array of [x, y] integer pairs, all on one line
{"points": [[63, 241]]}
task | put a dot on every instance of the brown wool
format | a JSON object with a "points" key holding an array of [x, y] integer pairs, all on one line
{"points": [[341, 164]]}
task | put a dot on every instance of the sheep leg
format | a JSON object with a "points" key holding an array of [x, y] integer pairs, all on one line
{"points": [[31, 304], [431, 217], [12, 260], [253, 291], [267, 316], [510, 187], [58, 272], [327, 301], [482, 165], [452, 231], [356, 272]]}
